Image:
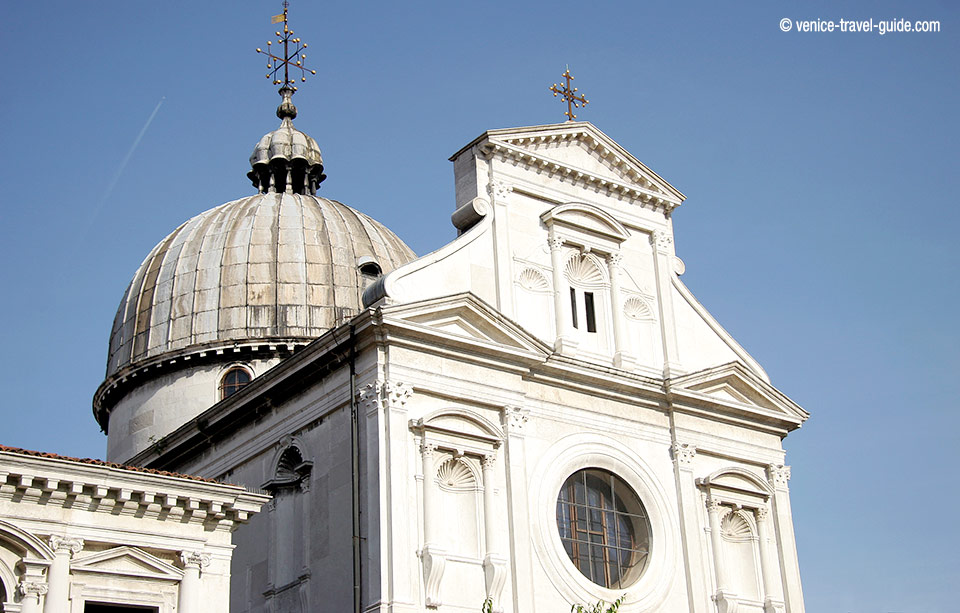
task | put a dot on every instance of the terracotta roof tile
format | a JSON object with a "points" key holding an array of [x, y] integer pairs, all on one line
{"points": [[95, 462]]}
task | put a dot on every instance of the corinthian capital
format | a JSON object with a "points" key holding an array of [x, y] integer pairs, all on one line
{"points": [[661, 240], [778, 474], [683, 453]]}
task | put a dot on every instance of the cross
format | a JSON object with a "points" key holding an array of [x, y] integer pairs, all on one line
{"points": [[569, 94], [294, 59]]}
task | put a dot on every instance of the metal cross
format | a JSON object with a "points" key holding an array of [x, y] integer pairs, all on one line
{"points": [[294, 59], [569, 94]]}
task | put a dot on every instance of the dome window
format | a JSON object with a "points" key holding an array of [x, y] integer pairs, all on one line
{"points": [[233, 381], [369, 267]]}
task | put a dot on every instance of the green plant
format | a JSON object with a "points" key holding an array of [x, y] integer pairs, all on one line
{"points": [[487, 606], [613, 607]]}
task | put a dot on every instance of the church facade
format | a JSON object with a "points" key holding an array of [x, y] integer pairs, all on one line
{"points": [[538, 413]]}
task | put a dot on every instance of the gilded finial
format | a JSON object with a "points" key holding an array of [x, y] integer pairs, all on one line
{"points": [[293, 58], [569, 94]]}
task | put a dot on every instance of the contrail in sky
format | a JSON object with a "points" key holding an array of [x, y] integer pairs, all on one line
{"points": [[126, 159]]}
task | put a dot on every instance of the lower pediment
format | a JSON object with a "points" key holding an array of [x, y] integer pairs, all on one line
{"points": [[129, 562]]}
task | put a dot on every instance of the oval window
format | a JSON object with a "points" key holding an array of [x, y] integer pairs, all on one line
{"points": [[603, 527]]}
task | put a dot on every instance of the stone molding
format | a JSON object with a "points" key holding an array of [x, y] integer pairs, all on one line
{"points": [[107, 489], [625, 189]]}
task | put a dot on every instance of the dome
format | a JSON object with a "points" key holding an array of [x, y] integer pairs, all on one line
{"points": [[270, 266]]}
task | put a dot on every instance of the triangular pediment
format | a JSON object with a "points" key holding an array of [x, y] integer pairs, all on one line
{"points": [[127, 561], [735, 387], [466, 317], [581, 152]]}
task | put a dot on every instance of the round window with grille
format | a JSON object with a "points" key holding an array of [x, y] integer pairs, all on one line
{"points": [[603, 527]]}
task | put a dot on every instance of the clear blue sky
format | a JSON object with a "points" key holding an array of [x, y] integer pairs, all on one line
{"points": [[820, 169]]}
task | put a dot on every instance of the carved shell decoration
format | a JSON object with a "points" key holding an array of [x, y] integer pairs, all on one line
{"points": [[584, 270], [533, 280], [637, 309], [734, 526], [454, 475]]}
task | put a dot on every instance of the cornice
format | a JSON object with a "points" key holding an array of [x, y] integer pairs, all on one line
{"points": [[115, 386], [106, 489], [620, 189]]}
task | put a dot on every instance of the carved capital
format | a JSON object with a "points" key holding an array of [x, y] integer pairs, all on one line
{"points": [[197, 559], [488, 461], [683, 453], [369, 397], [555, 243], [66, 544], [428, 448], [396, 393], [714, 505], [661, 240], [34, 589], [778, 475], [763, 513], [515, 419], [614, 260], [499, 189]]}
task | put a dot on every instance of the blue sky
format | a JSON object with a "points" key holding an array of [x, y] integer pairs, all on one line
{"points": [[820, 170]]}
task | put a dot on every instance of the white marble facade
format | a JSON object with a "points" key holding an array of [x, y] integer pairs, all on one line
{"points": [[416, 454]]}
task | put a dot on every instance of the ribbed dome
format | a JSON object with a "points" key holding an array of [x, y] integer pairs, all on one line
{"points": [[268, 266]]}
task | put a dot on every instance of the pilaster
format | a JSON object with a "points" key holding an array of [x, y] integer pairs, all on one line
{"points": [[514, 420], [662, 243], [565, 343], [689, 502], [779, 476], [621, 357]]}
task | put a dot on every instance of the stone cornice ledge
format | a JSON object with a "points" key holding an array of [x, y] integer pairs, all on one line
{"points": [[609, 186], [108, 489]]}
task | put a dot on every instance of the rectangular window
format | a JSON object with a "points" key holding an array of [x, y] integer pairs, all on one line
{"points": [[103, 607], [573, 306], [591, 313]]}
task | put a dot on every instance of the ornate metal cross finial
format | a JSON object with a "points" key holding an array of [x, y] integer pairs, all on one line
{"points": [[570, 95], [294, 59]]}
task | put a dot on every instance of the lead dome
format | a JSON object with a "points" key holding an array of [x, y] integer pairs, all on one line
{"points": [[241, 285]]}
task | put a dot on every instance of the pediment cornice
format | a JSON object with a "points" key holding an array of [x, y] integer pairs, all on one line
{"points": [[735, 389], [622, 175]]}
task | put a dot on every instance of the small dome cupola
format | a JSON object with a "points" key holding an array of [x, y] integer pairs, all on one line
{"points": [[286, 160]]}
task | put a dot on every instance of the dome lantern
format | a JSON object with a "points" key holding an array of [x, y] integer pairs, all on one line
{"points": [[286, 160]]}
